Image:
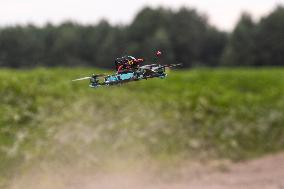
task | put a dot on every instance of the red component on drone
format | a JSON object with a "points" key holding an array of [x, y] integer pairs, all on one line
{"points": [[127, 63], [158, 53], [139, 60]]}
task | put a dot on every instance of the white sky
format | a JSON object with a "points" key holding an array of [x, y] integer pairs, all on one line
{"points": [[222, 13]]}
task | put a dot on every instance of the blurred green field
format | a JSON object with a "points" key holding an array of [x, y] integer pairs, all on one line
{"points": [[202, 113]]}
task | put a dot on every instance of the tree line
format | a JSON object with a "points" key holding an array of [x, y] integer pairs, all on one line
{"points": [[184, 36]]}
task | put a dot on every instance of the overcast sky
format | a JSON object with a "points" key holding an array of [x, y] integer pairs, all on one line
{"points": [[222, 13]]}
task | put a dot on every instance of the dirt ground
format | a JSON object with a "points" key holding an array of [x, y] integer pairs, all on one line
{"points": [[263, 173]]}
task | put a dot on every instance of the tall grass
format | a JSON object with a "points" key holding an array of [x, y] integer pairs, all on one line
{"points": [[204, 113]]}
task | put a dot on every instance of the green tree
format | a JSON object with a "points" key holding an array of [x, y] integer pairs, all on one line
{"points": [[241, 45], [184, 36], [257, 44], [270, 39]]}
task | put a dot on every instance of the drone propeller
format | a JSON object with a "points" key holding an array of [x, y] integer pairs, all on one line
{"points": [[172, 65], [83, 78]]}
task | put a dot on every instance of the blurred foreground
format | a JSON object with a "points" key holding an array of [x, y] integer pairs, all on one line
{"points": [[51, 127], [265, 173]]}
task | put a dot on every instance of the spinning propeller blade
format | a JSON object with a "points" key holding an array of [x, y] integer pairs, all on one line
{"points": [[83, 78], [172, 65]]}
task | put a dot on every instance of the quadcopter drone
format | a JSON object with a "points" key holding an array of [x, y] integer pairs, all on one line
{"points": [[131, 72]]}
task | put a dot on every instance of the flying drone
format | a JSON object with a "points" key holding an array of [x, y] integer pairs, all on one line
{"points": [[128, 69]]}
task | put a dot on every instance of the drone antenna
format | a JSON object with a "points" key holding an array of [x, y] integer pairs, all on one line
{"points": [[158, 54]]}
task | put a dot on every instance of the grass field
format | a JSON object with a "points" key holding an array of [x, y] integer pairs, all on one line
{"points": [[203, 113]]}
